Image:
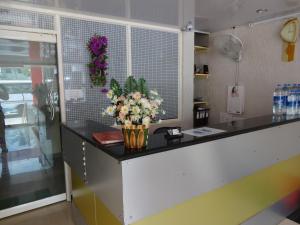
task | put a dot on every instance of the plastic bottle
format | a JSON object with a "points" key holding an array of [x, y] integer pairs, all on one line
{"points": [[285, 97], [298, 98], [291, 101], [296, 94], [278, 101], [288, 102], [297, 91]]}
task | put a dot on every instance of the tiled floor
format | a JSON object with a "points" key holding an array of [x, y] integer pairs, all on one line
{"points": [[288, 222], [57, 214]]}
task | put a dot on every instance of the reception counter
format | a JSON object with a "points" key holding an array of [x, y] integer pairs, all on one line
{"points": [[249, 174]]}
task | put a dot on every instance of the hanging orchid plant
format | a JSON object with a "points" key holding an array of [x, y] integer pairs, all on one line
{"points": [[97, 46]]}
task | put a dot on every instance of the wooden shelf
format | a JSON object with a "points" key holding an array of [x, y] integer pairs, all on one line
{"points": [[201, 48], [201, 75]]}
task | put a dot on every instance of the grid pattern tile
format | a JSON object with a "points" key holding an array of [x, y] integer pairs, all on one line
{"points": [[155, 57], [84, 101], [21, 18]]}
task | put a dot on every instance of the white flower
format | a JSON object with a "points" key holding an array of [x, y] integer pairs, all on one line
{"points": [[109, 94], [158, 101], [110, 110], [125, 109], [127, 123], [136, 95], [153, 104], [152, 92], [115, 99], [121, 98], [146, 112], [134, 107], [146, 121], [136, 110], [145, 103], [131, 102], [163, 112], [153, 113], [135, 118]]}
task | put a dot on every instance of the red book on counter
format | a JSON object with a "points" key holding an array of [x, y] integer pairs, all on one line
{"points": [[108, 137]]}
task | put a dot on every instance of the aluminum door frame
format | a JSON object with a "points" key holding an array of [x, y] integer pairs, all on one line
{"points": [[38, 37], [27, 36]]}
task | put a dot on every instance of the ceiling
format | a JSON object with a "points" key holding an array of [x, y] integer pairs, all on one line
{"points": [[214, 15], [211, 15]]}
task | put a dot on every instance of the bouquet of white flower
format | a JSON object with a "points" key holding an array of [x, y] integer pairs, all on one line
{"points": [[134, 105]]}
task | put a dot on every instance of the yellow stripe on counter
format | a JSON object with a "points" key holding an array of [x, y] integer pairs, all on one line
{"points": [[236, 202], [103, 215], [84, 199], [90, 206]]}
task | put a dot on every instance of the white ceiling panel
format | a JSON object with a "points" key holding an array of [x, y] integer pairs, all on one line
{"points": [[214, 15], [157, 11], [211, 15]]}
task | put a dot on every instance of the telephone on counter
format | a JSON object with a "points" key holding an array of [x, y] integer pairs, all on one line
{"points": [[169, 132], [174, 132]]}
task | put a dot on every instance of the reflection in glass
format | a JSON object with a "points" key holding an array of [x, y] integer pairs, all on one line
{"points": [[31, 162]]}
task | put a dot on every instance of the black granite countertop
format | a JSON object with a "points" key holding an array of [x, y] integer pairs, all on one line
{"points": [[158, 143]]}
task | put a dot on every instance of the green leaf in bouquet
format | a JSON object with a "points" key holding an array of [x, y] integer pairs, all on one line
{"points": [[115, 87], [142, 87], [130, 85]]}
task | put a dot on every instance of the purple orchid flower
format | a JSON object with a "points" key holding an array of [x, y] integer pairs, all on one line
{"points": [[104, 40], [98, 48], [104, 90], [100, 64]]}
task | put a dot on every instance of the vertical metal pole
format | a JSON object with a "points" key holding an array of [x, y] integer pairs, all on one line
{"points": [[68, 178], [128, 46]]}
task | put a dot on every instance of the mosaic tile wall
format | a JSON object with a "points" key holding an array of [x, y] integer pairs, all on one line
{"points": [[155, 57]]}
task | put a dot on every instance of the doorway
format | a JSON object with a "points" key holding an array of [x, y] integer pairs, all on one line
{"points": [[31, 166]]}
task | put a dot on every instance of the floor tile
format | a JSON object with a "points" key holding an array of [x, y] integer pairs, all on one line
{"points": [[56, 214], [288, 222]]}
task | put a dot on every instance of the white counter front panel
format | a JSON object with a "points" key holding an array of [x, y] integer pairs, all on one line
{"points": [[156, 182]]}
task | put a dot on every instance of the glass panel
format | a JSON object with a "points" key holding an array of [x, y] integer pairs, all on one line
{"points": [[21, 18], [31, 160]]}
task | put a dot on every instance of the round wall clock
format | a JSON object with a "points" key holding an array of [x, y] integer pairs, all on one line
{"points": [[290, 31], [289, 34]]}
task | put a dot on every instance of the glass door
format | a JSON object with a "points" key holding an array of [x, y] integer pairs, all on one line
{"points": [[31, 166]]}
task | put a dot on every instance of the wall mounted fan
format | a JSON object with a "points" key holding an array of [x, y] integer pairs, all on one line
{"points": [[230, 46]]}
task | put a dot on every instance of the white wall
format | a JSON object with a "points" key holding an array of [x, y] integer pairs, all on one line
{"points": [[187, 81], [187, 66], [260, 70]]}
